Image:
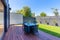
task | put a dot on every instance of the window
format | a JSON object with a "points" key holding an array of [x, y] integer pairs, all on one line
{"points": [[1, 19]]}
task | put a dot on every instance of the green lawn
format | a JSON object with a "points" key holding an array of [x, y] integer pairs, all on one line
{"points": [[53, 30]]}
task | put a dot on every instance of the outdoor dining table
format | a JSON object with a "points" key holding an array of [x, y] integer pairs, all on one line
{"points": [[30, 27]]}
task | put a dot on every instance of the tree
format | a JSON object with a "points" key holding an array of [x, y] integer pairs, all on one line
{"points": [[25, 11], [55, 11], [43, 14], [33, 14]]}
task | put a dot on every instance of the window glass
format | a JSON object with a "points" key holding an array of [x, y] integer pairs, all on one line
{"points": [[1, 19]]}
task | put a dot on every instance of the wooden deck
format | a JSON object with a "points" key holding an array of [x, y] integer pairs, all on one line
{"points": [[17, 33]]}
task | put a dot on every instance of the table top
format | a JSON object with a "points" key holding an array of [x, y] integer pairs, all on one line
{"points": [[30, 24]]}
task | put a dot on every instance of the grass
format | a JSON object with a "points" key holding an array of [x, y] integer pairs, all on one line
{"points": [[53, 30]]}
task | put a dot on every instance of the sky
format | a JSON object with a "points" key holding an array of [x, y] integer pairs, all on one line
{"points": [[37, 6]]}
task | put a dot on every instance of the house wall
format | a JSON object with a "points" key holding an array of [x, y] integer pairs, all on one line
{"points": [[1, 7]]}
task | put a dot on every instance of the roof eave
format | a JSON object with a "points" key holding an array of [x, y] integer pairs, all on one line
{"points": [[3, 2]]}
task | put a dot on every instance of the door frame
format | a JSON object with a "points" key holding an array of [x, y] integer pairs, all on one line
{"points": [[6, 15]]}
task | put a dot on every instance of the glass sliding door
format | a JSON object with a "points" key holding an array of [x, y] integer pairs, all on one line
{"points": [[1, 19]]}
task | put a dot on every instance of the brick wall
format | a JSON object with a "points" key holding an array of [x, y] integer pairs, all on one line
{"points": [[50, 20]]}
